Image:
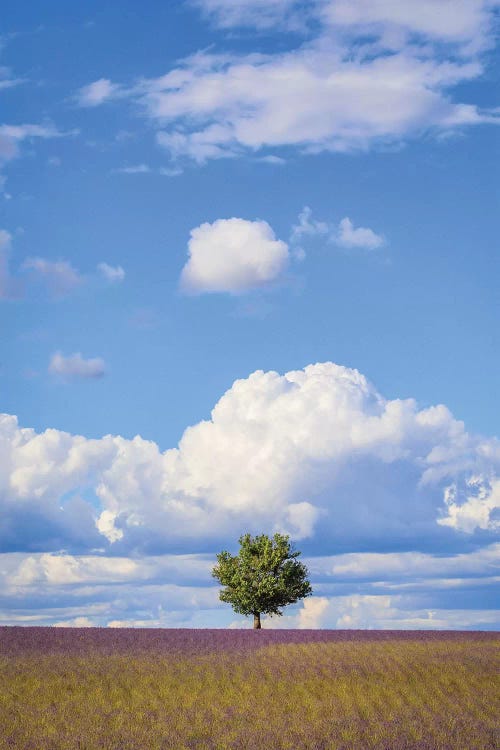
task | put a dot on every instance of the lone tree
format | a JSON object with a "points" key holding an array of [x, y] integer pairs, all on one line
{"points": [[263, 577]]}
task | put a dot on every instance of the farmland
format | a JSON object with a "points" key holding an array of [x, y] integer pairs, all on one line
{"points": [[68, 689]]}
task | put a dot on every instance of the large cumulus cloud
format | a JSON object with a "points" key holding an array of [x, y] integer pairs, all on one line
{"points": [[318, 453]]}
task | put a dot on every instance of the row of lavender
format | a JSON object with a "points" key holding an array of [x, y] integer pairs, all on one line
{"points": [[16, 641]]}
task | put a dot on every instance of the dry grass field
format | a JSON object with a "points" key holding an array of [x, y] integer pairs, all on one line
{"points": [[86, 689]]}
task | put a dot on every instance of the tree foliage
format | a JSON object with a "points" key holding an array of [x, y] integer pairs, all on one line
{"points": [[263, 577]]}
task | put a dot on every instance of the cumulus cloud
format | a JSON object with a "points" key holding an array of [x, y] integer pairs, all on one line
{"points": [[113, 274], [76, 367], [97, 92], [478, 508], [318, 453], [233, 255]]}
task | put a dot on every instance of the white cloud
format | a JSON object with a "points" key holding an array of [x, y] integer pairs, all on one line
{"points": [[318, 453], [260, 14], [312, 613], [479, 510], [146, 169], [7, 80], [75, 367], [49, 570], [57, 570], [59, 277], [380, 612], [134, 169], [360, 237], [5, 239], [272, 159], [327, 104], [467, 22], [407, 566], [362, 73], [199, 146], [76, 622], [308, 227], [25, 131], [105, 524], [177, 590], [6, 281], [376, 72], [56, 278], [233, 255], [114, 274], [97, 93], [11, 136]]}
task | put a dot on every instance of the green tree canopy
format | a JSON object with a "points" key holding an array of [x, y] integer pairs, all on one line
{"points": [[263, 577]]}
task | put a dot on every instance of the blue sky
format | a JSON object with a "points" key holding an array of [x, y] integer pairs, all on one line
{"points": [[249, 282]]}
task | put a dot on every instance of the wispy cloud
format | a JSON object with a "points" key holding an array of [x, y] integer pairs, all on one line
{"points": [[367, 74], [257, 14], [76, 367], [344, 234], [53, 278], [7, 80], [97, 92], [467, 24], [134, 169], [58, 277], [12, 136], [8, 286], [113, 274]]}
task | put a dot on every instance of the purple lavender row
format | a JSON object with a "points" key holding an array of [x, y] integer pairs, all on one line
{"points": [[16, 641]]}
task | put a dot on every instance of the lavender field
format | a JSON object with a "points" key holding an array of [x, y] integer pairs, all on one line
{"points": [[68, 689]]}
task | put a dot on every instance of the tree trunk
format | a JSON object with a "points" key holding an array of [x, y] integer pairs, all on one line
{"points": [[256, 621]]}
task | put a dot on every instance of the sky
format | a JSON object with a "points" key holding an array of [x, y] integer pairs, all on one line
{"points": [[249, 275]]}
